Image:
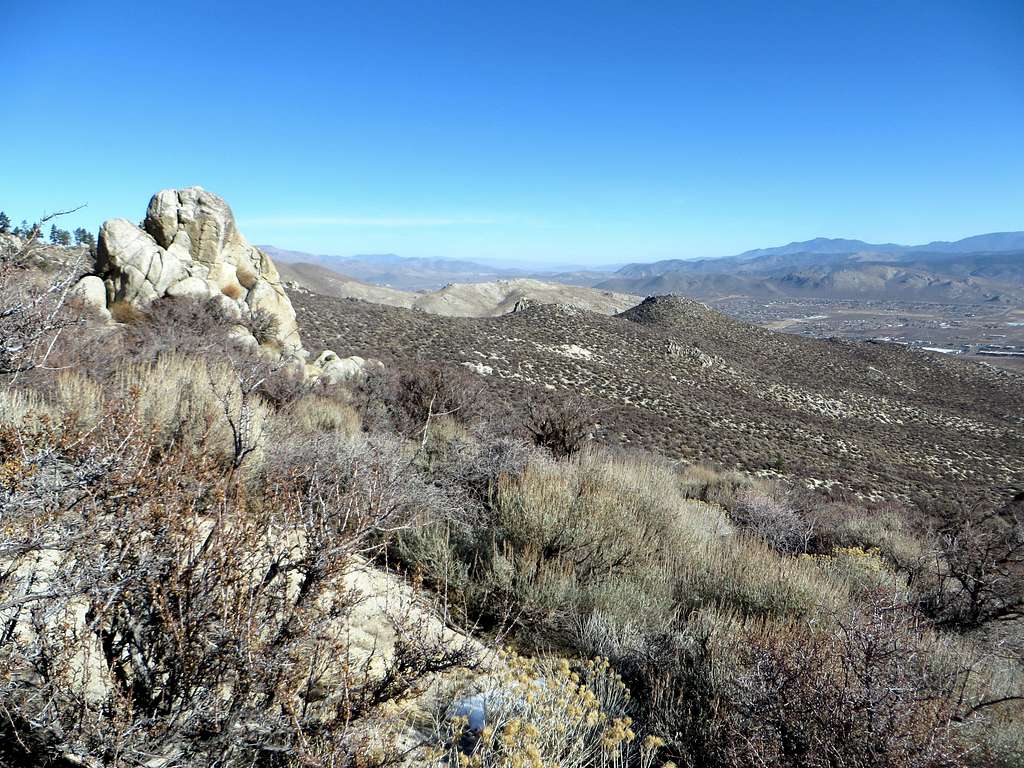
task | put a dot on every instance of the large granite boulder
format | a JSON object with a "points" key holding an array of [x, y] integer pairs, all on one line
{"points": [[189, 246]]}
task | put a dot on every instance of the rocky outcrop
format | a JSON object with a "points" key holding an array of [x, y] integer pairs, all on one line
{"points": [[189, 246], [331, 369]]}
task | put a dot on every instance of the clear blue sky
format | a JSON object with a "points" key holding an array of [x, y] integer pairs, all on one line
{"points": [[537, 131]]}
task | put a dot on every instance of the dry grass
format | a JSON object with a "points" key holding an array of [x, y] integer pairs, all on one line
{"points": [[24, 408], [313, 413], [81, 398], [192, 402]]}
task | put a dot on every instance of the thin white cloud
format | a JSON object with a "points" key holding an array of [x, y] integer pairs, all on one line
{"points": [[383, 222]]}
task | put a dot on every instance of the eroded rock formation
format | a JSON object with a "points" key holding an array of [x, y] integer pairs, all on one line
{"points": [[189, 246]]}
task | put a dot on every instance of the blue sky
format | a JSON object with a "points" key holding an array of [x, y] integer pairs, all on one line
{"points": [[557, 132]]}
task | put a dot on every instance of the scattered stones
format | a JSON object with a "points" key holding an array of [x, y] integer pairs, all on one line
{"points": [[479, 368], [677, 377]]}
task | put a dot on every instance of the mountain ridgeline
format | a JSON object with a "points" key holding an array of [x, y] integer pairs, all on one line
{"points": [[985, 268], [982, 268]]}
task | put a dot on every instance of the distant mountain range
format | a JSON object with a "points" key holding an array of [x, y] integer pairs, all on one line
{"points": [[424, 274], [982, 268], [994, 241], [825, 250]]}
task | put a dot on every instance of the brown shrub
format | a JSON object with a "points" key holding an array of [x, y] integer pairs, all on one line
{"points": [[562, 425], [263, 325], [864, 694], [156, 604], [126, 312], [423, 392], [232, 291], [979, 576], [868, 687], [773, 521]]}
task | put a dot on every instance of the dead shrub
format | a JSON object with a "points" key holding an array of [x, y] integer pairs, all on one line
{"points": [[423, 392], [33, 312], [263, 325], [864, 694], [978, 574], [172, 326], [164, 609], [773, 521], [867, 687], [562, 425]]}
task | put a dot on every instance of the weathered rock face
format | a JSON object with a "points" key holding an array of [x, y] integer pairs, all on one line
{"points": [[189, 246]]}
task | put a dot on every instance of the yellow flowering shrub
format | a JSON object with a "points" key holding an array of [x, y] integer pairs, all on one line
{"points": [[860, 569], [542, 713]]}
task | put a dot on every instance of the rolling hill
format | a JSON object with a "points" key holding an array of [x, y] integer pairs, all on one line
{"points": [[478, 299], [867, 281], [674, 376]]}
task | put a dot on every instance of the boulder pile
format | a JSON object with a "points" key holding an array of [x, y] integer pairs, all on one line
{"points": [[188, 246]]}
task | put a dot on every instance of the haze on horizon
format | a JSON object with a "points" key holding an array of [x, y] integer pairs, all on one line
{"points": [[562, 133]]}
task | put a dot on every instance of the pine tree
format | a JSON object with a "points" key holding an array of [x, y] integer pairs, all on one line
{"points": [[59, 236], [5, 223], [84, 237]]}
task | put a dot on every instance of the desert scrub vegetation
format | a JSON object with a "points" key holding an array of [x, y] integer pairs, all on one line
{"points": [[713, 612], [34, 308], [158, 603], [177, 559], [615, 535], [740, 397], [186, 530]]}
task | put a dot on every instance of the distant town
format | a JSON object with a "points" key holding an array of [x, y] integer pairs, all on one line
{"points": [[992, 333]]}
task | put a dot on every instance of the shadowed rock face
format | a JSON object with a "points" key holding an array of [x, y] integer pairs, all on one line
{"points": [[189, 246]]}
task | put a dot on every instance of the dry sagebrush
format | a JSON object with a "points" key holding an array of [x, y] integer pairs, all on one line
{"points": [[169, 606]]}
